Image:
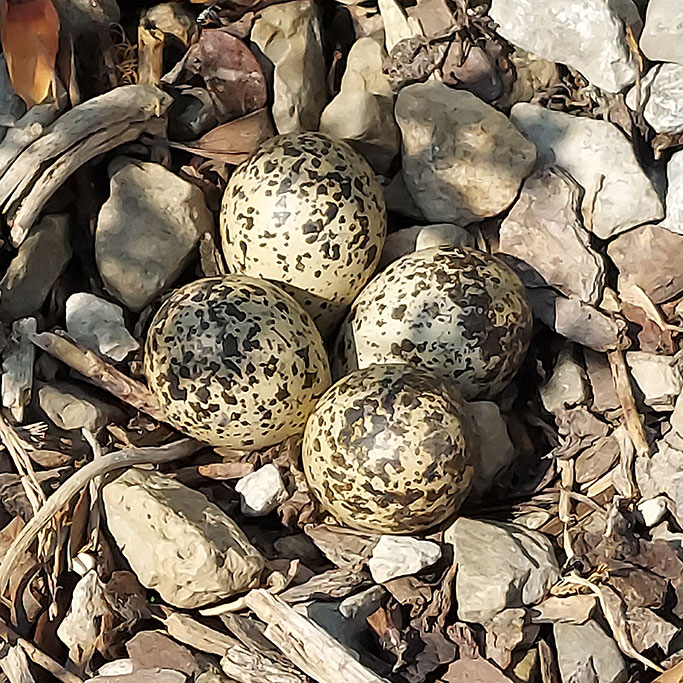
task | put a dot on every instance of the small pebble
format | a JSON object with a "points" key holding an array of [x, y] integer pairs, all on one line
{"points": [[261, 491], [395, 556]]}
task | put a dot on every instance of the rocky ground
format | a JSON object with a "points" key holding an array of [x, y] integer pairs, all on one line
{"points": [[547, 132]]}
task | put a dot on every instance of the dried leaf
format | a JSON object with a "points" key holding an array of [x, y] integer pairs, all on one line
{"points": [[240, 136], [673, 675], [474, 671], [30, 42]]}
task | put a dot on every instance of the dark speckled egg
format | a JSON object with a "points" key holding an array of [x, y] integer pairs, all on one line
{"points": [[308, 213], [455, 311], [235, 361], [390, 449]]}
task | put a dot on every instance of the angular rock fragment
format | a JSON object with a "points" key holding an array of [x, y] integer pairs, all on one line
{"points": [[662, 37], [589, 35], [649, 256], [549, 245], [261, 491], [147, 230], [674, 194], [588, 646], [462, 159], [661, 98], [363, 111], [395, 556], [289, 34], [568, 385], [601, 380], [618, 194], [41, 259], [177, 542], [499, 566], [17, 367], [99, 326], [658, 377]]}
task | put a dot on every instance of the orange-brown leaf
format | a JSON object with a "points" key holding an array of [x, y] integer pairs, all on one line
{"points": [[30, 41]]}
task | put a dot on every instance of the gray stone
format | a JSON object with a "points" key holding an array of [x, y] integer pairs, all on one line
{"points": [[409, 240], [89, 16], [462, 159], [147, 230], [360, 605], [648, 256], [499, 566], [398, 199], [363, 111], [17, 368], [604, 394], [395, 556], [261, 491], [587, 35], [568, 385], [99, 326], [41, 259], [587, 645], [618, 193], [673, 220], [662, 37], [177, 542], [12, 106], [73, 407], [289, 35], [658, 378], [661, 98], [547, 241]]}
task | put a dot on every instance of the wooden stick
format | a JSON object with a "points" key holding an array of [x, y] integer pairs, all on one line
{"points": [[76, 482], [99, 372], [305, 644], [38, 656]]}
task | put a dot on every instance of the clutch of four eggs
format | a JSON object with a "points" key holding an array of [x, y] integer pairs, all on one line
{"points": [[240, 361]]}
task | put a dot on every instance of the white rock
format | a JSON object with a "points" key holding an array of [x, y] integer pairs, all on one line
{"points": [[261, 491], [658, 377], [99, 326], [80, 629], [568, 385], [652, 510], [496, 451], [662, 37], [363, 111], [462, 159], [177, 542], [618, 193], [397, 25], [17, 367], [674, 194], [587, 35], [147, 230], [661, 98], [409, 240], [587, 646], [289, 34], [499, 566], [395, 556], [545, 236]]}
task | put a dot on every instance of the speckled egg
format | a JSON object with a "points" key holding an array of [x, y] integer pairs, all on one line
{"points": [[390, 449], [307, 212], [456, 311], [235, 361]]}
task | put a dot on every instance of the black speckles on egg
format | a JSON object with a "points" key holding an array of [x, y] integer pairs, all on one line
{"points": [[390, 449], [235, 362], [307, 212], [455, 311]]}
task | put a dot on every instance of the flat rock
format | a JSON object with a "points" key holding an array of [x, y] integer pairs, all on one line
{"points": [[74, 407], [398, 199], [604, 395], [546, 240], [662, 37], [41, 259], [289, 35], [648, 256], [261, 491], [661, 97], [98, 325], [618, 193], [587, 35], [500, 566], [588, 646], [147, 230], [462, 159], [658, 377], [673, 220], [409, 240], [177, 542], [568, 385], [363, 111], [153, 649], [395, 556]]}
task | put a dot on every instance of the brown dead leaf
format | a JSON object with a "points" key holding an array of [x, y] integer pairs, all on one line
{"points": [[389, 633], [240, 136], [30, 42], [673, 675]]}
